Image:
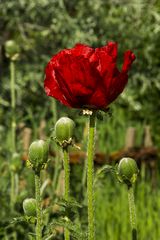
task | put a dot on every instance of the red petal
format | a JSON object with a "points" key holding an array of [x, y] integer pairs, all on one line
{"points": [[82, 50], [77, 78], [129, 57], [107, 57], [51, 86], [98, 99]]}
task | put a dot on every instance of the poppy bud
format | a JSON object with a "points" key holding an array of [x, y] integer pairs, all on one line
{"points": [[38, 154], [12, 50], [127, 170], [64, 129], [29, 207]]}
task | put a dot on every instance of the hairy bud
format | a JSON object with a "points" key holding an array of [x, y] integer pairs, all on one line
{"points": [[38, 154], [64, 129], [127, 170], [29, 207]]}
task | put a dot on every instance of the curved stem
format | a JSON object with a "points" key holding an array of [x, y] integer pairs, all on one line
{"points": [[38, 207], [132, 212], [67, 184], [90, 177]]}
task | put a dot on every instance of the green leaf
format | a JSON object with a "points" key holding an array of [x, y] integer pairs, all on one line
{"points": [[74, 229], [105, 169]]}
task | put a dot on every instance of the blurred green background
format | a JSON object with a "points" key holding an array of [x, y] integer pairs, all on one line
{"points": [[42, 28]]}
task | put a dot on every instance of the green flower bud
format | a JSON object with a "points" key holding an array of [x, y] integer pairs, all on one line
{"points": [[64, 129], [127, 170], [12, 50], [29, 207], [38, 154]]}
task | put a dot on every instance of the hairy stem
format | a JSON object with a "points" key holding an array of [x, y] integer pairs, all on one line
{"points": [[38, 207], [90, 177], [67, 184], [132, 212]]}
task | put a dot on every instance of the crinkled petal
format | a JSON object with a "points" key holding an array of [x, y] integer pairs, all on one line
{"points": [[51, 85], [116, 85], [129, 57], [107, 57], [98, 100], [82, 50], [77, 78]]}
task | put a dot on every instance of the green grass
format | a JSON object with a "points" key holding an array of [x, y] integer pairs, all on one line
{"points": [[112, 213]]}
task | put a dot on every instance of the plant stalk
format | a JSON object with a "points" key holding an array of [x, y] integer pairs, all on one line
{"points": [[12, 193], [90, 177], [67, 184], [38, 206], [57, 165], [13, 129], [132, 212], [13, 105]]}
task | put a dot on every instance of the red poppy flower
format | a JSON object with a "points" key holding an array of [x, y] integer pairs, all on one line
{"points": [[84, 77]]}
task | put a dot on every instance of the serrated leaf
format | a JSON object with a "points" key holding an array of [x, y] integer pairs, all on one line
{"points": [[74, 229], [105, 169]]}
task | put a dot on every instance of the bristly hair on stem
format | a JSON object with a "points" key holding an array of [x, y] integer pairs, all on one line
{"points": [[132, 212], [67, 184], [38, 206]]}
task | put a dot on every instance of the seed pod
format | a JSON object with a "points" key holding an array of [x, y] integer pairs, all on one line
{"points": [[12, 50], [29, 207], [127, 170], [38, 154], [64, 129]]}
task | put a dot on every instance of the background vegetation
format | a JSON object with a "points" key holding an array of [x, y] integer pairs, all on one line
{"points": [[42, 28]]}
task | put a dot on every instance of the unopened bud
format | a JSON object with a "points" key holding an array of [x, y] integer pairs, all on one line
{"points": [[38, 154], [12, 50], [127, 170], [29, 207], [64, 129]]}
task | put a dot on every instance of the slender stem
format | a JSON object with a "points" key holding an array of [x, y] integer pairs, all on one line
{"points": [[57, 160], [67, 184], [84, 174], [12, 200], [132, 211], [16, 184], [13, 128], [90, 177], [13, 104], [38, 207], [54, 110]]}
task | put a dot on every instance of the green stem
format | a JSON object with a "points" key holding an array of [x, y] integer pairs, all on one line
{"points": [[13, 128], [67, 184], [38, 207], [132, 211], [57, 160], [54, 110], [90, 177], [12, 189], [13, 105]]}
